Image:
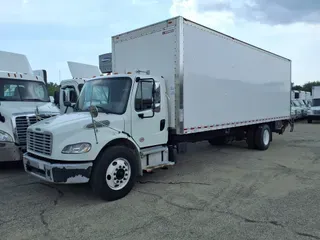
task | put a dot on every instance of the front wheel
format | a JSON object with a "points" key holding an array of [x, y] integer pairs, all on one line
{"points": [[309, 120], [114, 173]]}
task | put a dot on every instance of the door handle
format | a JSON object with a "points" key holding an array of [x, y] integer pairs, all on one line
{"points": [[162, 124]]}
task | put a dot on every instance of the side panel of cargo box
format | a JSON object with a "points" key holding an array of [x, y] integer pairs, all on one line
{"points": [[229, 83], [155, 48]]}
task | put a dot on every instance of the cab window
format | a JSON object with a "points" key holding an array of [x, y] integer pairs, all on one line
{"points": [[143, 98]]}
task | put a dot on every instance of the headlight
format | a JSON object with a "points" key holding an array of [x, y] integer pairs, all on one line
{"points": [[5, 137], [76, 148]]}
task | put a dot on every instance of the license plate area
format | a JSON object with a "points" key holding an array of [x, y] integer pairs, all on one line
{"points": [[35, 167], [35, 170]]}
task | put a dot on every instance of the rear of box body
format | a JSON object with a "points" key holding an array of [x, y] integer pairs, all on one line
{"points": [[315, 92], [213, 81]]}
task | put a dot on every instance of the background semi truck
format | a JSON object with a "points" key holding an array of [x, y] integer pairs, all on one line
{"points": [[70, 89], [314, 111], [166, 82], [21, 94]]}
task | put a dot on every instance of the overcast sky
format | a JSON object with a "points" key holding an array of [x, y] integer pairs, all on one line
{"points": [[52, 32]]}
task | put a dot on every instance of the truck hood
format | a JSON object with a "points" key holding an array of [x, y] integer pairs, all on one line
{"points": [[76, 121], [10, 108]]}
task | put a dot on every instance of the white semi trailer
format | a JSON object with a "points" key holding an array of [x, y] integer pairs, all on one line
{"points": [[167, 80], [24, 100]]}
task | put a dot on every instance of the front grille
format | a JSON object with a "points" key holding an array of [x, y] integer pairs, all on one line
{"points": [[22, 123], [39, 142]]}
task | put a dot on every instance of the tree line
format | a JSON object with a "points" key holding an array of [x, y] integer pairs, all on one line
{"points": [[305, 87], [52, 87]]}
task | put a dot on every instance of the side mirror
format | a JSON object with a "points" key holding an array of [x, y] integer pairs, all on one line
{"points": [[67, 104], [56, 97], [2, 118]]}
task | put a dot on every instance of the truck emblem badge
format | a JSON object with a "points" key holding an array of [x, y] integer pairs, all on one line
{"points": [[141, 139], [38, 129]]}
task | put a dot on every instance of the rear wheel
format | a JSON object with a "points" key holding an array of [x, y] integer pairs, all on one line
{"points": [[309, 120], [263, 137], [114, 173]]}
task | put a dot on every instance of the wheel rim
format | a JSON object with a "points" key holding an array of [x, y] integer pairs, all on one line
{"points": [[266, 137], [118, 174]]}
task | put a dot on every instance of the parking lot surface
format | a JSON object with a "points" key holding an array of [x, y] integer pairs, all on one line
{"points": [[228, 192]]}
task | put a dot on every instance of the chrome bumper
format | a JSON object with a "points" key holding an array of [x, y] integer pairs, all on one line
{"points": [[9, 152], [57, 172]]}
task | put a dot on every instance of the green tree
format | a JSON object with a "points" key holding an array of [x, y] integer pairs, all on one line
{"points": [[308, 86], [297, 87], [52, 87], [305, 87]]}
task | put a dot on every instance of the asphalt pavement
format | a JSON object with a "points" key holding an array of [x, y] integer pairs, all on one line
{"points": [[228, 193]]}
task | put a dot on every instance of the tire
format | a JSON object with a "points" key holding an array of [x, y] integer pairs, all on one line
{"points": [[251, 138], [263, 137], [111, 167], [309, 120], [218, 141]]}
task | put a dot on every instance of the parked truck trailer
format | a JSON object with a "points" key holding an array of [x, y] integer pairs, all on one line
{"points": [[166, 89]]}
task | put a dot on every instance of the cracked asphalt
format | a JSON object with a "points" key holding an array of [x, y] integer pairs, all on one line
{"points": [[212, 193]]}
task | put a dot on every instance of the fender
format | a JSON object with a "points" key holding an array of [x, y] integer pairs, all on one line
{"points": [[126, 140]]}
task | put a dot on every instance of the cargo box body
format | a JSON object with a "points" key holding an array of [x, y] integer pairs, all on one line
{"points": [[213, 81], [315, 92]]}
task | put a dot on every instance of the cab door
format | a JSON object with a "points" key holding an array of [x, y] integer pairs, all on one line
{"points": [[149, 118]]}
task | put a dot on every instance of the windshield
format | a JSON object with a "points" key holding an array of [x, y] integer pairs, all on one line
{"points": [[110, 95], [301, 103], [294, 103], [316, 102], [23, 90]]}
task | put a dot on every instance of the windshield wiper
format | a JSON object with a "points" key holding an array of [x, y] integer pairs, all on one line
{"points": [[9, 100], [34, 99], [104, 109]]}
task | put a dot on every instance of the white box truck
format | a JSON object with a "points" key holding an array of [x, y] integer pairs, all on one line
{"points": [[314, 111], [22, 92], [169, 80]]}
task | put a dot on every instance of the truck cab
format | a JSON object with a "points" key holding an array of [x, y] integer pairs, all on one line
{"points": [[130, 121], [314, 111], [296, 108], [70, 89], [24, 100]]}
